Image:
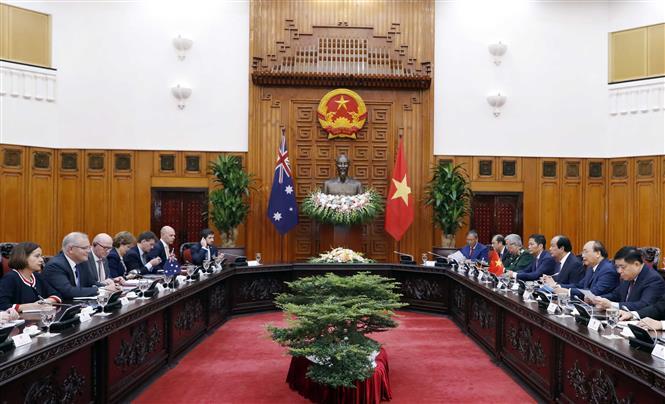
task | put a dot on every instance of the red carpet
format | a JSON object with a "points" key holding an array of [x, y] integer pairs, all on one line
{"points": [[431, 361]]}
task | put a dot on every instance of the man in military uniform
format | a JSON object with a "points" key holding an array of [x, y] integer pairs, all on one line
{"points": [[519, 258]]}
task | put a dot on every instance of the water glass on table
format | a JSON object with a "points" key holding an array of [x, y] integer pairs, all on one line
{"points": [[424, 258], [612, 319], [562, 300], [102, 300], [48, 317], [144, 284], [257, 257]]}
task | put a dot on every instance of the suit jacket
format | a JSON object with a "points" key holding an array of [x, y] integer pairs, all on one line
{"points": [[116, 264], [544, 265], [599, 282], [649, 286], [518, 263], [14, 291], [92, 266], [158, 251], [571, 272], [655, 311], [199, 254], [59, 274], [480, 252], [504, 254], [133, 261]]}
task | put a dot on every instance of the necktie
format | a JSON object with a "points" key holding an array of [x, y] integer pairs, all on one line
{"points": [[142, 258], [630, 287], [470, 252], [100, 270], [78, 278]]}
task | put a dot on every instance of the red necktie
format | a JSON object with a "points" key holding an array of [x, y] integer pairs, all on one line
{"points": [[470, 252]]}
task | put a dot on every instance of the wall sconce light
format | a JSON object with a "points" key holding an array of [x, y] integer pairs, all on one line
{"points": [[496, 101], [497, 50], [182, 45], [181, 94]]}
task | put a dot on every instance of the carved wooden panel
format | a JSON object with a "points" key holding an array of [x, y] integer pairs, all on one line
{"points": [[485, 168], [69, 161], [595, 169], [483, 321], [135, 349], [314, 162], [12, 158], [529, 349], [549, 169], [187, 322], [508, 168]]}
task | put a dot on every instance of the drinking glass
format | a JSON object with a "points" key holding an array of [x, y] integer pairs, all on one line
{"points": [[563, 300], [258, 258], [190, 271], [612, 318], [424, 258], [206, 264], [144, 284], [218, 261], [48, 317], [103, 299], [529, 290], [167, 281]]}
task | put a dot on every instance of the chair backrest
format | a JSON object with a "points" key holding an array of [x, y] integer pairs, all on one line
{"points": [[5, 252], [185, 253]]}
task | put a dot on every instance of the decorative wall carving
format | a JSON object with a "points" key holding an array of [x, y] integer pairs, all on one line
{"points": [[69, 162], [521, 339], [485, 168], [167, 162], [509, 168], [340, 56], [259, 289], [96, 162], [41, 160], [597, 388], [595, 169], [422, 289], [12, 158], [482, 313], [459, 299], [191, 314], [549, 169], [48, 390], [123, 162], [143, 342]]}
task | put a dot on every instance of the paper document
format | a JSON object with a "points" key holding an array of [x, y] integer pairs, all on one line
{"points": [[457, 256]]}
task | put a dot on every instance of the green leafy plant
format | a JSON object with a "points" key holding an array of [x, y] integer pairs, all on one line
{"points": [[229, 202], [328, 317], [343, 209], [449, 194]]}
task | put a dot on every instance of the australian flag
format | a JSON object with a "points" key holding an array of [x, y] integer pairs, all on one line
{"points": [[282, 206]]}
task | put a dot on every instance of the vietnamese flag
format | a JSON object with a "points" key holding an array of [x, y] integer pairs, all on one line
{"points": [[496, 265], [399, 207]]}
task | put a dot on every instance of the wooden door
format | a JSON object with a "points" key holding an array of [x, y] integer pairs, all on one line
{"points": [[183, 209], [496, 213]]}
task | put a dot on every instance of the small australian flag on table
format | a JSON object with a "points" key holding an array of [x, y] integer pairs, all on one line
{"points": [[282, 206]]}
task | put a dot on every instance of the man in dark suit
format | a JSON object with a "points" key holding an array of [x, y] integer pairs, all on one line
{"points": [[543, 263], [568, 268], [162, 248], [473, 250], [205, 250], [499, 245], [651, 317], [68, 271], [98, 264], [137, 259], [600, 275], [640, 285]]}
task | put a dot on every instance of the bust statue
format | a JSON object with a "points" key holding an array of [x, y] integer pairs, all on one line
{"points": [[343, 184]]}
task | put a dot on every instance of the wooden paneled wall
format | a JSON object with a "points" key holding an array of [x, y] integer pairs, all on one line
{"points": [[47, 193], [407, 23], [618, 201]]}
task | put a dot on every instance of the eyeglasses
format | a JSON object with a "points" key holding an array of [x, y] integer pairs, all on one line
{"points": [[104, 247], [82, 247]]}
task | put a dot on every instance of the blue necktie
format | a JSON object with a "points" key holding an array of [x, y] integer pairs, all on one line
{"points": [[78, 277]]}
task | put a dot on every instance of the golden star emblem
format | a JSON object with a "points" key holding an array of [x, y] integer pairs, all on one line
{"points": [[341, 103], [402, 190]]}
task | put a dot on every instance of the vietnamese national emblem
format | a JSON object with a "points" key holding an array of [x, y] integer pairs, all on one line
{"points": [[342, 113]]}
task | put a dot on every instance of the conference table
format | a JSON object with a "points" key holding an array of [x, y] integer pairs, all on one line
{"points": [[108, 358]]}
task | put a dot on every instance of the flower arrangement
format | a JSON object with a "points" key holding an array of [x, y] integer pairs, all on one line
{"points": [[341, 255], [328, 320], [343, 209]]}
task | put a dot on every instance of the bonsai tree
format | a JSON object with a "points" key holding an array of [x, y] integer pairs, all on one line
{"points": [[449, 194], [328, 318], [229, 202]]}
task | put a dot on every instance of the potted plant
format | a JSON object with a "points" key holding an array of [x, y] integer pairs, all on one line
{"points": [[449, 194], [229, 202]]}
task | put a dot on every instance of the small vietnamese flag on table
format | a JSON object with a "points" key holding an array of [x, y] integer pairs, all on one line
{"points": [[399, 206]]}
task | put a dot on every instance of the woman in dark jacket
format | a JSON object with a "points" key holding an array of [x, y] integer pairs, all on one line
{"points": [[23, 287]]}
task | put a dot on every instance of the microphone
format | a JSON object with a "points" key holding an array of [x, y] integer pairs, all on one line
{"points": [[436, 255]]}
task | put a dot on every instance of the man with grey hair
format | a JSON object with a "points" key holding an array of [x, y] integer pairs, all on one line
{"points": [[519, 258], [473, 250], [98, 265], [68, 273]]}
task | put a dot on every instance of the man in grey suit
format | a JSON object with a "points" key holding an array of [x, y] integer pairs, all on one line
{"points": [[102, 244]]}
